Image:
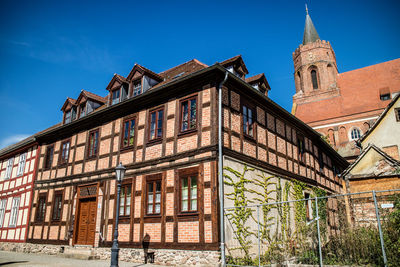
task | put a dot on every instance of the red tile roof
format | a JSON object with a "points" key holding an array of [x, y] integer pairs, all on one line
{"points": [[181, 71], [145, 70], [359, 93], [92, 96]]}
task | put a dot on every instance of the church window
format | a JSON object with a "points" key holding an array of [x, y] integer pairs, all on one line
{"points": [[314, 79], [397, 112], [355, 133]]}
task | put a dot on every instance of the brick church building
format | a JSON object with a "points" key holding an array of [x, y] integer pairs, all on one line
{"points": [[340, 106]]}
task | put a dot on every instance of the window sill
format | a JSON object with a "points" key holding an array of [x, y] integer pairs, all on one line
{"points": [[187, 133], [122, 149], [188, 213], [154, 141], [152, 216], [249, 138], [91, 157]]}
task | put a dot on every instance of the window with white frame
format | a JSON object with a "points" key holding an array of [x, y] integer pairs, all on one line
{"points": [[355, 133], [21, 164], [3, 203], [14, 212], [10, 164]]}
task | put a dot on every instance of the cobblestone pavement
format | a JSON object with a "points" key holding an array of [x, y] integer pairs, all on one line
{"points": [[38, 260]]}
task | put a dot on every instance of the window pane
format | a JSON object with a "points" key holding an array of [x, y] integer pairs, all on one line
{"points": [[150, 198], [193, 114], [193, 204], [160, 123], [158, 197], [152, 125], [128, 210], [184, 116], [126, 133], [184, 205], [132, 132], [158, 208], [150, 208]]}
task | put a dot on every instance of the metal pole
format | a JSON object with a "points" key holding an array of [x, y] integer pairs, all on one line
{"points": [[220, 172], [318, 231], [115, 248], [258, 235], [380, 229]]}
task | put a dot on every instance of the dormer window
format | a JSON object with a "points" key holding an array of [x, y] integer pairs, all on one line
{"points": [[82, 110], [119, 95], [137, 88], [116, 96], [70, 115], [233, 70]]}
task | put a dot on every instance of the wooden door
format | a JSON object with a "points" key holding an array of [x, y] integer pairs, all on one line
{"points": [[86, 227]]}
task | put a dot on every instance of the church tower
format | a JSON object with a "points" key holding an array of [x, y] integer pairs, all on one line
{"points": [[315, 69]]}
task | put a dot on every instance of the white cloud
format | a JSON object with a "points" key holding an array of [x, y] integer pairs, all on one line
{"points": [[12, 139]]}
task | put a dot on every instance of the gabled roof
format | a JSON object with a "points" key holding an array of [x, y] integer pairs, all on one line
{"points": [[118, 78], [68, 101], [370, 149], [143, 70], [91, 96], [259, 78], [236, 59], [380, 118]]}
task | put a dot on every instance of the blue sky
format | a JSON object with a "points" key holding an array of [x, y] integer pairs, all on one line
{"points": [[51, 50]]}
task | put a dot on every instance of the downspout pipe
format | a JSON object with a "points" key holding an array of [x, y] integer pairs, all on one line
{"points": [[220, 172]]}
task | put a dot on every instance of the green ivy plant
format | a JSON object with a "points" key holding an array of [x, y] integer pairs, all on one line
{"points": [[239, 216]]}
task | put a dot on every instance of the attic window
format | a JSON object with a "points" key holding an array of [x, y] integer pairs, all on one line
{"points": [[178, 75], [119, 95], [82, 110], [234, 71], [137, 88], [384, 93], [115, 96]]}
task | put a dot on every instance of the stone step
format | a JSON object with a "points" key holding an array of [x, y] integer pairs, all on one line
{"points": [[79, 252]]}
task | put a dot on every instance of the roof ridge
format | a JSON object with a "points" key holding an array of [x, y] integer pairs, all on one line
{"points": [[194, 60], [369, 66]]}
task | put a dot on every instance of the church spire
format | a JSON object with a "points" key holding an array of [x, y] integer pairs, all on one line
{"points": [[310, 33]]}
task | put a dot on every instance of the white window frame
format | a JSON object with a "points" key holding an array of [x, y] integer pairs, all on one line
{"points": [[10, 164], [14, 211], [21, 164], [3, 204]]}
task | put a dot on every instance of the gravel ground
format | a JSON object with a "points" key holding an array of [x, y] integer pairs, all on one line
{"points": [[38, 260]]}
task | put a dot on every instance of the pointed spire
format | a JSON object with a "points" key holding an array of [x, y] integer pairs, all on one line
{"points": [[310, 33]]}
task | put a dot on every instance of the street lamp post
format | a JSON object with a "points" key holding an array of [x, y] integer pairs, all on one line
{"points": [[120, 173]]}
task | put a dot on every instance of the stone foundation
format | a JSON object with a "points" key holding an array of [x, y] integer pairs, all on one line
{"points": [[161, 256]]}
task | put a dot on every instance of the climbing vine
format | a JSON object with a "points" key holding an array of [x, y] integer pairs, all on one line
{"points": [[239, 216], [276, 230]]}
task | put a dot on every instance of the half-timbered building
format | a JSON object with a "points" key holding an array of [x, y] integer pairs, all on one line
{"points": [[17, 174], [163, 127]]}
